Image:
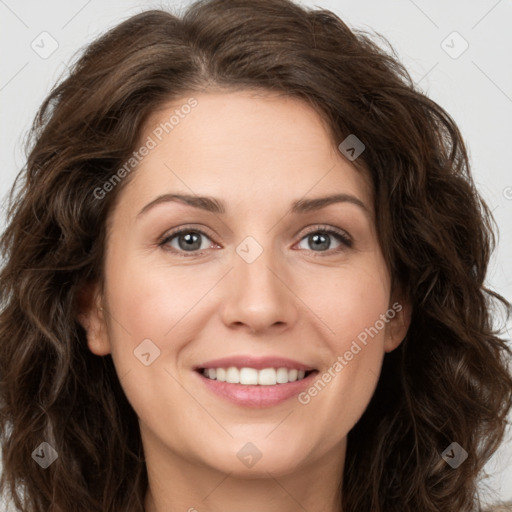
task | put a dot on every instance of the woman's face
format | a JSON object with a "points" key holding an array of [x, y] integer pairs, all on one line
{"points": [[259, 278]]}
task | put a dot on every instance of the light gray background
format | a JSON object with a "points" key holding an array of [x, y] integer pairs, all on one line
{"points": [[475, 88]]}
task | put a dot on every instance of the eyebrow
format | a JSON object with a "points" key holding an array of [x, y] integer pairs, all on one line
{"points": [[213, 205]]}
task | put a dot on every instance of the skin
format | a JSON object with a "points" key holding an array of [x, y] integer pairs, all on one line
{"points": [[257, 152]]}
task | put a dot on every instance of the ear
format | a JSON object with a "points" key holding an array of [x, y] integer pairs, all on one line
{"points": [[398, 324], [91, 315]]}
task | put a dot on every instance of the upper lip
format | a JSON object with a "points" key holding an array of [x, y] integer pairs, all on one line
{"points": [[258, 363]]}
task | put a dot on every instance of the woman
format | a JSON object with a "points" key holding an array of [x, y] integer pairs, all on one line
{"points": [[244, 268]]}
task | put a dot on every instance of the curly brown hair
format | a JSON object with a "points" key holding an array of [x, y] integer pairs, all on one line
{"points": [[448, 381]]}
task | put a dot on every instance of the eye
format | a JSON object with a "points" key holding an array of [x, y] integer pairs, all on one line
{"points": [[187, 240], [319, 238], [190, 240]]}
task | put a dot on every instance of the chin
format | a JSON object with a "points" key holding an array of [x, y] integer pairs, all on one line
{"points": [[258, 459]]}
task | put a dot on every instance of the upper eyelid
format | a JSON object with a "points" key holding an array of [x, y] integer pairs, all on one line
{"points": [[172, 233]]}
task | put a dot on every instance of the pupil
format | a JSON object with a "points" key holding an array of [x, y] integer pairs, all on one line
{"points": [[190, 240], [323, 244]]}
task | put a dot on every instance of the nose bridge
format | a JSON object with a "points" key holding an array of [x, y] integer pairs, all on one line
{"points": [[257, 294], [254, 261]]}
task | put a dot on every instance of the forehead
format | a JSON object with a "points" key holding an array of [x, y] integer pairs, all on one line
{"points": [[251, 145], [237, 118]]}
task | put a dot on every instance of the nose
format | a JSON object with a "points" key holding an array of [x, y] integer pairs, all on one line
{"points": [[258, 295]]}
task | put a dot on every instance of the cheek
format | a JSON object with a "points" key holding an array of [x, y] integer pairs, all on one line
{"points": [[148, 328], [351, 301], [151, 301], [355, 309]]}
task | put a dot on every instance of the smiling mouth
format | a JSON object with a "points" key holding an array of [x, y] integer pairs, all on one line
{"points": [[253, 377]]}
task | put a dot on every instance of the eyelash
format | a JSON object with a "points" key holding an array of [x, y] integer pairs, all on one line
{"points": [[346, 241]]}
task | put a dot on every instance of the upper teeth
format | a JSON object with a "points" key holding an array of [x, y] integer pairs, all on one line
{"points": [[251, 376]]}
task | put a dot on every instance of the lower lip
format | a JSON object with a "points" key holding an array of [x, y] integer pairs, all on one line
{"points": [[257, 396]]}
